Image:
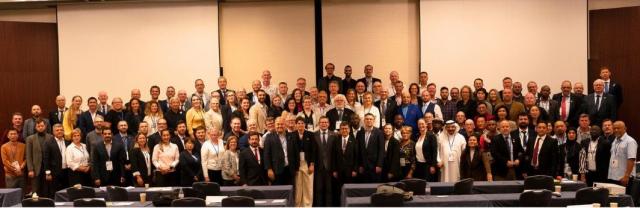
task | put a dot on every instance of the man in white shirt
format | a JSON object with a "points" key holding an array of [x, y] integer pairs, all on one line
{"points": [[55, 166], [266, 83]]}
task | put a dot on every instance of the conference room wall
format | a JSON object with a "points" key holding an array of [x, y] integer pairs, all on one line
{"points": [[540, 40], [383, 33], [274, 35], [118, 47], [29, 15]]}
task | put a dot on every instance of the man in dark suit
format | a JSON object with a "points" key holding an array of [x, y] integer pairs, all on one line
{"points": [[410, 112], [339, 114], [506, 151], [253, 96], [344, 160], [55, 168], [57, 115], [164, 104], [570, 105], [387, 107], [126, 141], [551, 106], [543, 153], [391, 165], [85, 121], [174, 114], [275, 155], [251, 163], [155, 138], [524, 134], [371, 146], [595, 167], [611, 87], [368, 78], [322, 181], [107, 167], [600, 105], [116, 114], [347, 82], [323, 83], [222, 89], [181, 137]]}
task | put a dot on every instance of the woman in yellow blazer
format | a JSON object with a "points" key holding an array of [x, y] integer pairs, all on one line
{"points": [[70, 120], [195, 115]]}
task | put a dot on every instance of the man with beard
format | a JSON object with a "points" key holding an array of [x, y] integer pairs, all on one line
{"points": [[594, 157]]}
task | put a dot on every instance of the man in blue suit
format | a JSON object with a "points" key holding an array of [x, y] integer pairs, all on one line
{"points": [[410, 112], [85, 121]]}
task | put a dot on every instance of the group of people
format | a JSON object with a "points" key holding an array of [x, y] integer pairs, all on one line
{"points": [[319, 138]]}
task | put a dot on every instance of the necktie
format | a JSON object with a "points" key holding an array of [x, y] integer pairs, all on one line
{"points": [[597, 102], [255, 153], [60, 113], [339, 116], [344, 145], [535, 153], [366, 138], [104, 109], [383, 105], [606, 87], [360, 99], [324, 138], [510, 145], [563, 110], [524, 139]]}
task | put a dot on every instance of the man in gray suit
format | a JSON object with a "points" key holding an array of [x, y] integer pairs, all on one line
{"points": [[322, 181], [35, 145], [29, 126]]}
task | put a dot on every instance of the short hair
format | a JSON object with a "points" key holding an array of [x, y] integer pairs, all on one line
{"points": [[58, 125], [253, 133], [424, 72], [301, 78], [605, 68], [323, 117], [584, 115], [505, 78], [92, 98], [39, 120], [154, 87], [369, 114], [444, 88], [299, 118], [199, 128], [523, 114], [344, 124], [430, 84], [478, 79]]}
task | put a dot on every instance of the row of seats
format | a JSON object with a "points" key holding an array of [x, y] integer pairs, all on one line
{"points": [[233, 201]]}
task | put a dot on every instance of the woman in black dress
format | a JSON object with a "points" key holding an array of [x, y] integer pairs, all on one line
{"points": [[190, 166]]}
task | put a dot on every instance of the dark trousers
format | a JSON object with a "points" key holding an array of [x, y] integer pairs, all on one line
{"points": [[77, 177], [170, 179], [595, 176], [369, 176], [322, 188], [422, 172], [215, 176], [229, 183], [283, 178]]}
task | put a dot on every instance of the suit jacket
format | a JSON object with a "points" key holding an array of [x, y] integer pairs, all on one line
{"points": [[138, 163], [205, 100], [309, 148], [548, 156], [100, 108], [575, 108], [117, 138], [607, 108], [500, 153], [347, 84], [345, 162], [252, 171], [53, 116], [569, 153], [475, 168], [274, 153], [99, 157], [603, 154], [114, 117], [223, 96], [333, 117], [29, 127], [430, 149], [553, 114], [85, 122], [616, 90], [323, 83], [391, 162], [152, 141], [34, 149], [531, 135], [324, 157], [176, 140], [411, 117], [515, 109], [260, 116], [226, 117], [92, 139], [364, 79], [391, 110], [371, 154], [190, 166], [52, 157], [267, 98], [164, 105], [172, 118]]}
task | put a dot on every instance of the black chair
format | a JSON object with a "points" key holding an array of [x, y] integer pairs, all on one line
{"points": [[117, 193], [88, 202], [592, 195], [539, 182], [387, 200], [40, 202], [208, 188], [464, 186], [535, 198], [164, 200], [190, 192], [238, 201], [82, 192], [189, 202], [417, 186], [253, 193]]}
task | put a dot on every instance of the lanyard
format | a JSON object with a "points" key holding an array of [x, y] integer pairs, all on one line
{"points": [[615, 151], [216, 148], [451, 142]]}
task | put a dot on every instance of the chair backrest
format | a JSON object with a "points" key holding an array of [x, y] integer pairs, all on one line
{"points": [[208, 188], [592, 195], [253, 193], [117, 193], [190, 192], [539, 182], [417, 186], [40, 202], [238, 201], [535, 198], [387, 200], [464, 186], [89, 202], [189, 202], [82, 192]]}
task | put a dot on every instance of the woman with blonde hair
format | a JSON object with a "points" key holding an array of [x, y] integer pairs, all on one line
{"points": [[230, 161], [153, 113], [213, 117], [140, 157], [71, 116], [77, 159], [195, 115]]}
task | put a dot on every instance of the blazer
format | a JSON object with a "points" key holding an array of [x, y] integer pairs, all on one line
{"points": [[569, 153], [164, 105], [100, 108], [309, 148], [196, 146], [226, 112], [267, 98], [391, 110], [29, 127], [392, 158], [223, 96], [334, 117], [531, 135], [516, 108], [274, 153], [230, 164], [429, 149], [603, 154], [347, 84], [548, 157], [575, 108], [366, 85], [411, 117], [7, 158], [260, 116], [35, 146], [345, 162], [371, 154], [252, 172], [616, 90], [99, 157], [85, 122], [114, 117], [475, 168], [189, 166], [324, 158], [53, 116], [52, 157], [500, 153], [553, 114], [323, 83], [607, 108], [172, 118], [138, 163], [117, 138]]}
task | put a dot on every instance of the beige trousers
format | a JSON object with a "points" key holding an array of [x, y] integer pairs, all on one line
{"points": [[304, 185]]}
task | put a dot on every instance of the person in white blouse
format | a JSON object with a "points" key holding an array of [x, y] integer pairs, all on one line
{"points": [[230, 161], [368, 107], [140, 158], [310, 117], [213, 117], [165, 159], [211, 157], [152, 113], [77, 159]]}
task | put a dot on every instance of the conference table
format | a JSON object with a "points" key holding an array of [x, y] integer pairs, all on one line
{"points": [[270, 192], [484, 200], [446, 188], [10, 196]]}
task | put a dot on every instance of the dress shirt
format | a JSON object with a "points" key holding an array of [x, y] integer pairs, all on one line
{"points": [[166, 156], [419, 153], [211, 156], [76, 156], [62, 148]]}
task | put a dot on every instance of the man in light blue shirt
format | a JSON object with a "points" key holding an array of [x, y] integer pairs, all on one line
{"points": [[623, 156]]}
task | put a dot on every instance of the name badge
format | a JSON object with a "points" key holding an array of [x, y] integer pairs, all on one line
{"points": [[309, 126], [338, 125], [302, 156], [384, 122], [109, 165], [614, 164], [403, 162], [451, 157]]}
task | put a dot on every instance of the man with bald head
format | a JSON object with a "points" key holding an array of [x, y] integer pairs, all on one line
{"points": [[570, 104], [253, 96], [545, 102], [135, 93], [200, 92], [600, 105], [323, 83], [29, 126], [368, 78], [103, 105], [393, 78], [266, 85], [185, 102], [622, 169], [116, 114], [410, 112], [57, 115]]}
